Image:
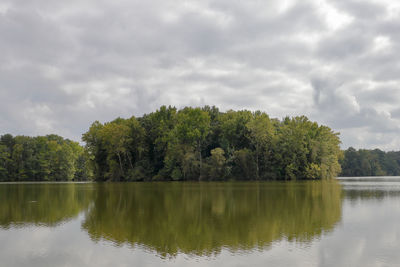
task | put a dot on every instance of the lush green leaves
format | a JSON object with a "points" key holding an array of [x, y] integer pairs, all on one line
{"points": [[187, 144], [42, 158], [370, 163], [206, 144], [116, 149]]}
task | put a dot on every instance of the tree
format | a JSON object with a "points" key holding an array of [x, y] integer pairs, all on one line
{"points": [[217, 163], [96, 151], [365, 162], [191, 129], [201, 143], [157, 128], [260, 132], [234, 130], [41, 158], [4, 162], [244, 165]]}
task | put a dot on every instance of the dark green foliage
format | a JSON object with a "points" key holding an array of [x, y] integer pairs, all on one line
{"points": [[217, 164], [244, 166], [42, 158], [117, 149], [188, 144], [370, 163], [206, 144]]}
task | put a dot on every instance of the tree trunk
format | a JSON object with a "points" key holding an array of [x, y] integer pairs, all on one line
{"points": [[199, 147], [120, 163], [257, 166], [130, 161]]}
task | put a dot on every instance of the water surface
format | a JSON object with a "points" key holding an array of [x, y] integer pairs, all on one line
{"points": [[345, 222]]}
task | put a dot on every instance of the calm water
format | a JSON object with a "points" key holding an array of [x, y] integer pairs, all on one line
{"points": [[349, 222]]}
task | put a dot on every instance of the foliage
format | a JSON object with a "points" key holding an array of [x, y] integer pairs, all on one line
{"points": [[370, 163], [116, 149], [42, 158], [217, 164], [187, 144], [206, 144]]}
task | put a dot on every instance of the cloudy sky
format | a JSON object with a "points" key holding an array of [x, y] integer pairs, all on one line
{"points": [[64, 64]]}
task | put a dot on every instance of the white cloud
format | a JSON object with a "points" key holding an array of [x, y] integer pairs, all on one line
{"points": [[334, 18], [65, 64]]}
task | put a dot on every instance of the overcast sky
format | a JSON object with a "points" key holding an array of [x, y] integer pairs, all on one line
{"points": [[64, 64]]}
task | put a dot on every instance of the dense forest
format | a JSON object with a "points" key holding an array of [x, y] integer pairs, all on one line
{"points": [[206, 144], [42, 158], [370, 163], [192, 144]]}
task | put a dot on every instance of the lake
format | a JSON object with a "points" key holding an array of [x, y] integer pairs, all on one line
{"points": [[345, 222]]}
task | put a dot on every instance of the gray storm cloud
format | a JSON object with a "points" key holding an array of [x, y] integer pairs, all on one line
{"points": [[64, 64]]}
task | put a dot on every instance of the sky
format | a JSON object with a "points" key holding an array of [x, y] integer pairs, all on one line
{"points": [[65, 64]]}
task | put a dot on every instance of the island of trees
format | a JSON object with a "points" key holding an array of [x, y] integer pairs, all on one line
{"points": [[197, 144], [206, 144]]}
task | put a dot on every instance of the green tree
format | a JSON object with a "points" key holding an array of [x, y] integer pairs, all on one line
{"points": [[4, 162], [41, 158], [260, 131], [217, 163], [96, 151], [191, 130], [179, 144], [234, 130], [158, 126]]}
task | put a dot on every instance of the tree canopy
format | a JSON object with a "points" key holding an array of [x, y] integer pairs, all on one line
{"points": [[206, 144], [365, 162], [42, 158]]}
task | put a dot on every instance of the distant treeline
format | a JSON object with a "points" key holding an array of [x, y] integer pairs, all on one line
{"points": [[42, 158], [370, 163], [206, 144]]}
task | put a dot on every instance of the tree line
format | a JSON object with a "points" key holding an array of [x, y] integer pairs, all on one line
{"points": [[375, 162], [42, 158], [186, 144], [192, 144], [207, 144]]}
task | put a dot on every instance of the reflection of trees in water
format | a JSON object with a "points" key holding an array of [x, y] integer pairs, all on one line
{"points": [[192, 218], [202, 218], [371, 194], [42, 204]]}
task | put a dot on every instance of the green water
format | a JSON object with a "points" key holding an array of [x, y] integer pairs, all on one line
{"points": [[349, 222]]}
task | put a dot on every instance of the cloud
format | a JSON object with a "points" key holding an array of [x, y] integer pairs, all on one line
{"points": [[65, 64]]}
